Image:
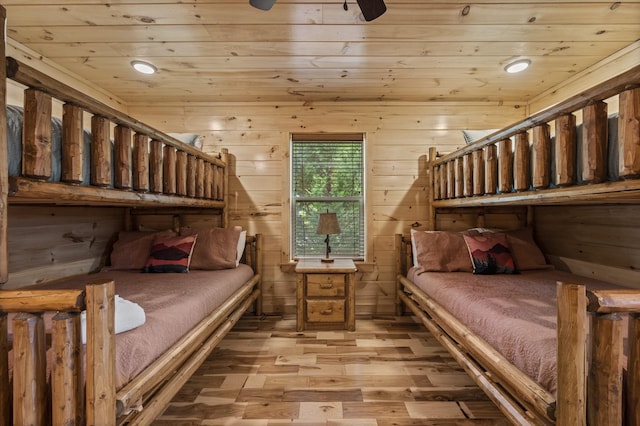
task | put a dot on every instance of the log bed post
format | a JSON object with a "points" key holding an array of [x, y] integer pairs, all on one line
{"points": [[604, 391], [397, 243], [4, 160], [258, 260], [29, 366], [5, 397], [571, 355], [101, 363], [225, 187], [432, 178], [67, 378], [633, 371]]}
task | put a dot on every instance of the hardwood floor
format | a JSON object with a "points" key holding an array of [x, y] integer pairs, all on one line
{"points": [[390, 371]]}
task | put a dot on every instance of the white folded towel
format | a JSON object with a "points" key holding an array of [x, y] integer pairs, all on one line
{"points": [[128, 315]]}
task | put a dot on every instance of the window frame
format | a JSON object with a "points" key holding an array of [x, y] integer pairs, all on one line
{"points": [[361, 199]]}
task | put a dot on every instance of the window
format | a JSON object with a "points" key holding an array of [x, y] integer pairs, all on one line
{"points": [[327, 174]]}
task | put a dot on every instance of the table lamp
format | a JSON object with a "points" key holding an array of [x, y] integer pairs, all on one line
{"points": [[328, 225]]}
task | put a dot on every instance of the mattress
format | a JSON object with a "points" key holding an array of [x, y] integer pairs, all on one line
{"points": [[516, 314], [173, 304]]}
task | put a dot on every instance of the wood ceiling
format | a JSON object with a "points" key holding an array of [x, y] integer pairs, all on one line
{"points": [[315, 51]]}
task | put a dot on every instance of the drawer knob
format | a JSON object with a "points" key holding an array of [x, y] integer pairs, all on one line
{"points": [[326, 311], [326, 286]]}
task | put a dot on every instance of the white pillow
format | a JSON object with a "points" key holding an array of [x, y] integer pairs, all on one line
{"points": [[414, 251], [242, 240], [128, 315], [193, 139]]}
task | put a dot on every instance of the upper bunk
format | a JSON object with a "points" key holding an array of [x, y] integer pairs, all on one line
{"points": [[119, 162], [571, 153]]}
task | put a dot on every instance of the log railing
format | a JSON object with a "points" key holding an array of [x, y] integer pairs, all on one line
{"points": [[148, 166], [595, 392], [28, 401], [520, 164]]}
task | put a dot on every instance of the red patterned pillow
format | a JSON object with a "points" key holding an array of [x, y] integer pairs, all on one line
{"points": [[490, 254], [170, 254]]}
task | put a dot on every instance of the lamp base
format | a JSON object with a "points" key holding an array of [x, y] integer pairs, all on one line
{"points": [[326, 260]]}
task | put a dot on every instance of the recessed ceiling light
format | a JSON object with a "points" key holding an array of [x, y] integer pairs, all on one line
{"points": [[517, 66], [144, 67]]}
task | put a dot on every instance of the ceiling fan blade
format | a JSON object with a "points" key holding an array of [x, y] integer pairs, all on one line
{"points": [[262, 4], [372, 9]]}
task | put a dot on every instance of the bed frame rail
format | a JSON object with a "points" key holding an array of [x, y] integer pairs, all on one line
{"points": [[498, 170], [592, 389], [71, 397]]}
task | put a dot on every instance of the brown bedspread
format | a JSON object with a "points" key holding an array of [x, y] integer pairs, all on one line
{"points": [[173, 304], [516, 314]]}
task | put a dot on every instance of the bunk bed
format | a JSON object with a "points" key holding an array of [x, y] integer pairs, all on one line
{"points": [[549, 158], [47, 375]]}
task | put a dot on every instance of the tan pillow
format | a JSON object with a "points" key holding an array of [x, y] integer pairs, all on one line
{"points": [[132, 249], [442, 251], [216, 248], [526, 252]]}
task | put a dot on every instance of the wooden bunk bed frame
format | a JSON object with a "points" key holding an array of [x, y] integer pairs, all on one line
{"points": [[495, 172], [159, 175]]}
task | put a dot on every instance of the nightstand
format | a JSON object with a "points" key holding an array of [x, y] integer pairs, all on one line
{"points": [[325, 295]]}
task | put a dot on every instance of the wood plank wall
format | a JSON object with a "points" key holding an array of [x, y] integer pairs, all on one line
{"points": [[397, 138], [49, 242], [598, 241]]}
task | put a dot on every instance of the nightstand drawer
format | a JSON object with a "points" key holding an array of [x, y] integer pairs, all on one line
{"points": [[327, 285], [325, 310]]}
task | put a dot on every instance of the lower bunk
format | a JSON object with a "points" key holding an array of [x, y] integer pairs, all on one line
{"points": [[546, 346], [115, 378]]}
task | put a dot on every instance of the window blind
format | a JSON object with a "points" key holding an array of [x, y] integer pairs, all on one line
{"points": [[327, 175]]}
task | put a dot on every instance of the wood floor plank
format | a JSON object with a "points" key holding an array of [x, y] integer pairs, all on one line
{"points": [[389, 372]]}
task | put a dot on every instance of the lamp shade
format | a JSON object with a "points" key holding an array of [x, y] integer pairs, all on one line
{"points": [[262, 4], [328, 224]]}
